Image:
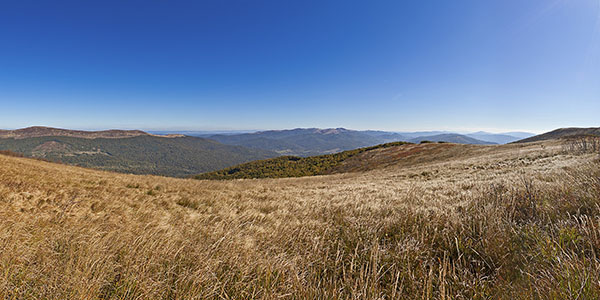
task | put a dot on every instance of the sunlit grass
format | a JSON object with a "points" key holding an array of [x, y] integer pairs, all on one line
{"points": [[508, 222]]}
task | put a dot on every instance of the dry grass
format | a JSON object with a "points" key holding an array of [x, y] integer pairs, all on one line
{"points": [[503, 222]]}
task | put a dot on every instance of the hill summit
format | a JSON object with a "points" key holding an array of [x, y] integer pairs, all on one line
{"points": [[40, 131], [563, 133]]}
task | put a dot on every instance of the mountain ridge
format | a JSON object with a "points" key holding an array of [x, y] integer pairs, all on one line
{"points": [[316, 141], [563, 133], [142, 154], [40, 131], [451, 138], [301, 141]]}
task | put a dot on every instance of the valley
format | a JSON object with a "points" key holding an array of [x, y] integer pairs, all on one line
{"points": [[137, 152]]}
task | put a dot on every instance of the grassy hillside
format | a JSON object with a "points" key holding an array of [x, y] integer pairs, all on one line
{"points": [[145, 154], [358, 160], [290, 166], [489, 222], [562, 133]]}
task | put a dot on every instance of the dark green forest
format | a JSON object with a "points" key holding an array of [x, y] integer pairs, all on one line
{"points": [[181, 156]]}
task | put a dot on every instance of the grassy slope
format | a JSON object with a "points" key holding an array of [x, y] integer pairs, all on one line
{"points": [[503, 222], [562, 133], [291, 166], [139, 155]]}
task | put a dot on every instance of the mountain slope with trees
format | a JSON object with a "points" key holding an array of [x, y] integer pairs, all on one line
{"points": [[143, 154], [302, 142], [291, 166], [315, 141]]}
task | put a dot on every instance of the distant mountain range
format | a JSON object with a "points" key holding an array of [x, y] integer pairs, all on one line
{"points": [[315, 141], [450, 138], [177, 154], [495, 138], [563, 133], [303, 142], [381, 155], [199, 133]]}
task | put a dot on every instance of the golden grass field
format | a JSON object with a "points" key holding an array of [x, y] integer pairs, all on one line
{"points": [[445, 222]]}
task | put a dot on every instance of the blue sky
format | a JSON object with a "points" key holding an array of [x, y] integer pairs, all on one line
{"points": [[392, 65]]}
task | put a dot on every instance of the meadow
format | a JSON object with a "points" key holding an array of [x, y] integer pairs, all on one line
{"points": [[460, 222]]}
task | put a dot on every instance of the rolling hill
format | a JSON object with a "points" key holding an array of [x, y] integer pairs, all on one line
{"points": [[39, 131], [496, 138], [129, 151], [563, 133], [292, 166], [357, 160], [431, 221]]}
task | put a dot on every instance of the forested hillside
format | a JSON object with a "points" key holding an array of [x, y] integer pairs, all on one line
{"points": [[144, 154], [290, 166]]}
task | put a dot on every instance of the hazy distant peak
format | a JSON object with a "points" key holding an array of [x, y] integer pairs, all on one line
{"points": [[451, 138], [332, 130], [307, 130]]}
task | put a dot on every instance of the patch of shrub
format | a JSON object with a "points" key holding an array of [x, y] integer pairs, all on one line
{"points": [[290, 166]]}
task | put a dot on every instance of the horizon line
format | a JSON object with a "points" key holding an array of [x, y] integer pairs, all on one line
{"points": [[189, 129]]}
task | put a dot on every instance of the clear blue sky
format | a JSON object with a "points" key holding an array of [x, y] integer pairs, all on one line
{"points": [[393, 65]]}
